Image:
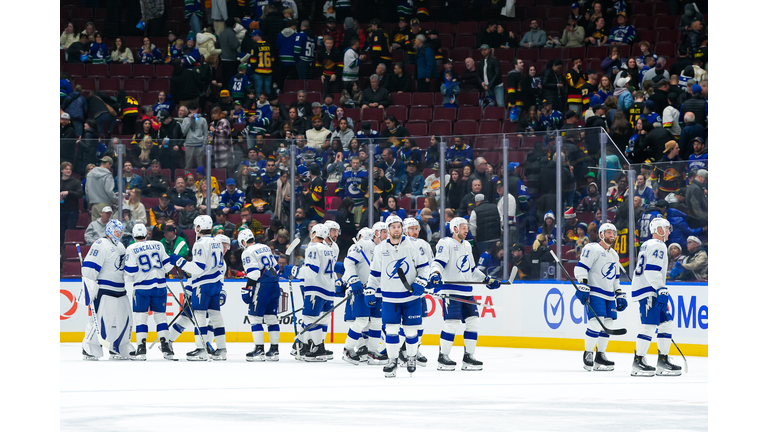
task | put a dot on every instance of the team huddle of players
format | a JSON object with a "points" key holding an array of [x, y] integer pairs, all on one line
{"points": [[382, 280]]}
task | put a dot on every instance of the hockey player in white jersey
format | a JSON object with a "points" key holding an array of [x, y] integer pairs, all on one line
{"points": [[380, 231], [401, 300], [319, 293], [454, 262], [205, 268], [649, 288], [364, 308], [597, 274], [104, 286], [261, 294], [411, 227], [147, 263]]}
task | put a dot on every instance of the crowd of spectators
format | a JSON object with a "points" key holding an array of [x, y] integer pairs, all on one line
{"points": [[230, 72]]}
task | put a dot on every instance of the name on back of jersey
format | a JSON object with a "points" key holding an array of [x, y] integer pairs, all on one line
{"points": [[143, 247]]}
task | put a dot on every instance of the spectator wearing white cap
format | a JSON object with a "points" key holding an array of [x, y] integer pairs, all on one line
{"points": [[675, 255], [696, 198], [97, 228], [697, 260]]}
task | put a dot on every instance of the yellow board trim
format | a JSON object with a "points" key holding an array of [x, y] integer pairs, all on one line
{"points": [[696, 350]]}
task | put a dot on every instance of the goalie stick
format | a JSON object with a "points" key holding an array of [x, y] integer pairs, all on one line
{"points": [[685, 362], [615, 332]]}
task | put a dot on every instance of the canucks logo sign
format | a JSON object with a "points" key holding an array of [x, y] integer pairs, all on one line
{"points": [[394, 265], [609, 271], [463, 264]]}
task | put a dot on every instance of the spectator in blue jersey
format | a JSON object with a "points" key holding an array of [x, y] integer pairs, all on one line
{"points": [[163, 103], [408, 151], [393, 168], [175, 50], [459, 154], [644, 191], [232, 199], [698, 160], [98, 53], [366, 135], [191, 55], [680, 229], [392, 208], [148, 53], [622, 34], [491, 261]]}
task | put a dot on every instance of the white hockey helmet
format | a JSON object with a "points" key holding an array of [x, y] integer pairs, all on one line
{"points": [[659, 222], [379, 226], [605, 227], [332, 225], [243, 237], [114, 231], [455, 223], [319, 230], [204, 222], [393, 219], [365, 234], [139, 230], [409, 222], [224, 239]]}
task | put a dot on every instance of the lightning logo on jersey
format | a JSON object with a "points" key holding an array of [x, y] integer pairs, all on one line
{"points": [[393, 266]]}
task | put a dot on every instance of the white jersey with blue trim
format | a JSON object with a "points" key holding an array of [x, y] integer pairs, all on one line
{"points": [[357, 262], [387, 258], [207, 262], [651, 270], [335, 248], [425, 247], [104, 264], [147, 264], [258, 259], [455, 262], [317, 271], [600, 267]]}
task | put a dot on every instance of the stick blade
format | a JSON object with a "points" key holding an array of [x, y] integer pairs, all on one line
{"points": [[292, 246], [512, 275], [616, 332]]}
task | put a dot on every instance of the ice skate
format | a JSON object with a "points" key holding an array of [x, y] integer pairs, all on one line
{"points": [[377, 358], [314, 353], [199, 354], [324, 353], [273, 354], [89, 357], [444, 363], [402, 357], [257, 355], [665, 368], [390, 370], [411, 365], [641, 368], [470, 363], [588, 363], [219, 355], [362, 352], [116, 356], [141, 351], [351, 357], [602, 363], [421, 361], [167, 349]]}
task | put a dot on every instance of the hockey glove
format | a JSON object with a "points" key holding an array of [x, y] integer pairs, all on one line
{"points": [[222, 297], [492, 283], [178, 261], [356, 286], [370, 296], [435, 279], [246, 293], [582, 293], [621, 301], [662, 298], [291, 271], [418, 286], [340, 288]]}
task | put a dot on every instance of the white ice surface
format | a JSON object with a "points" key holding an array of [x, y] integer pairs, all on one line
{"points": [[519, 389]]}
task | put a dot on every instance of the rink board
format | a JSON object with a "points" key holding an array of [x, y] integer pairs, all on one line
{"points": [[523, 315]]}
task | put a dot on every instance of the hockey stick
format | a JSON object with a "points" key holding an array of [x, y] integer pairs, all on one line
{"points": [[503, 282], [288, 253], [362, 252], [616, 332], [89, 301], [685, 362], [170, 324], [322, 316], [192, 315]]}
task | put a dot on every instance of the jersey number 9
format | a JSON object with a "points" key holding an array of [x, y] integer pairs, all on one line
{"points": [[146, 264]]}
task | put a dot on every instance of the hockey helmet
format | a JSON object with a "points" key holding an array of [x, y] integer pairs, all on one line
{"points": [[319, 230], [455, 222], [605, 227], [243, 237], [365, 234], [409, 222], [114, 231], [139, 231], [203, 222], [332, 225], [393, 219], [659, 222]]}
